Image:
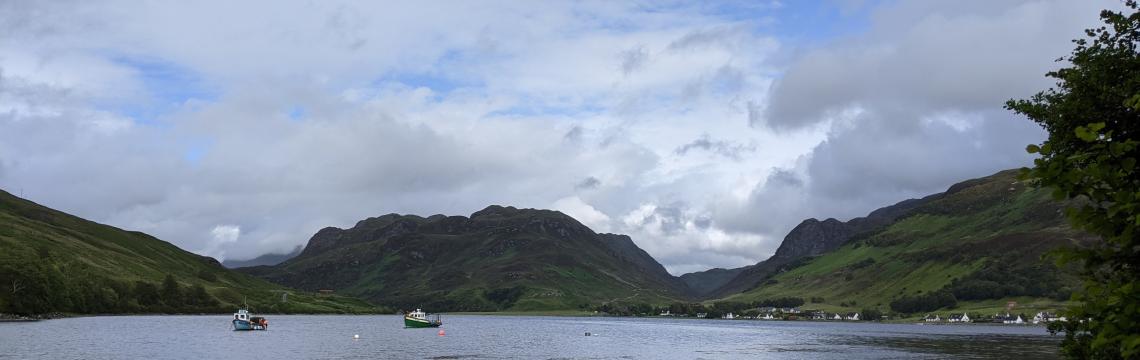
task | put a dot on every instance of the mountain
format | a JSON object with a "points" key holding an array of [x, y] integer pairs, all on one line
{"points": [[267, 259], [703, 283], [55, 262], [498, 258], [813, 238], [979, 245]]}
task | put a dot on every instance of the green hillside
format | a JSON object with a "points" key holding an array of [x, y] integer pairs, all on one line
{"points": [[979, 244], [54, 262], [499, 258]]}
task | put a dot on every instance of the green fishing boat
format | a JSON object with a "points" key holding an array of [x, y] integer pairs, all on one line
{"points": [[419, 319]]}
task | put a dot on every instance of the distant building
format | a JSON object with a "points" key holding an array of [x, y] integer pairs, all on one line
{"points": [[1008, 319], [852, 316], [702, 315], [1046, 317], [766, 316], [729, 316], [817, 315], [932, 318], [666, 313], [960, 318], [324, 292], [837, 317]]}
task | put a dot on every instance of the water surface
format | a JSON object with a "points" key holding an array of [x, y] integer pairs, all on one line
{"points": [[508, 337]]}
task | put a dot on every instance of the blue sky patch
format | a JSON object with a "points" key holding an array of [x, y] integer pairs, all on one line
{"points": [[168, 84]]}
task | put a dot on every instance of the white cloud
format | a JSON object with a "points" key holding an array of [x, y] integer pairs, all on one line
{"points": [[220, 236], [173, 118]]}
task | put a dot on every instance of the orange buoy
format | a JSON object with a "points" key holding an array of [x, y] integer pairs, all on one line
{"points": [[441, 332]]}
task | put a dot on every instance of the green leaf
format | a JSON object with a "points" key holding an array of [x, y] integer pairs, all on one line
{"points": [[1083, 133], [1032, 149]]}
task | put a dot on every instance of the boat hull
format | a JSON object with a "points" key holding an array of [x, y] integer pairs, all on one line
{"points": [[418, 323], [242, 325]]}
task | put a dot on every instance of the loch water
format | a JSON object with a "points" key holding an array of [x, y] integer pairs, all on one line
{"points": [[512, 337]]}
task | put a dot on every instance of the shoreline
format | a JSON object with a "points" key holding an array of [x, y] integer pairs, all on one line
{"points": [[11, 318]]}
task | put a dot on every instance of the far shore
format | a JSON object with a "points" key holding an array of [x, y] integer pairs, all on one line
{"points": [[11, 318]]}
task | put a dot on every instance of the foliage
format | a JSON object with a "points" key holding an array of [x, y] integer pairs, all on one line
{"points": [[783, 302], [924, 302], [505, 297], [1000, 279], [871, 314], [1093, 120]]}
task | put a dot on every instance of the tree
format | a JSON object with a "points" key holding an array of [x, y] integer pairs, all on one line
{"points": [[171, 292], [1090, 156], [871, 314], [146, 294]]}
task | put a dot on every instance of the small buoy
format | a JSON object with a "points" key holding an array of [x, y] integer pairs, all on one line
{"points": [[587, 334], [441, 332], [355, 337]]}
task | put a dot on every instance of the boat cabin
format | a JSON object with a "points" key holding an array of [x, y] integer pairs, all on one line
{"points": [[418, 314], [242, 315]]}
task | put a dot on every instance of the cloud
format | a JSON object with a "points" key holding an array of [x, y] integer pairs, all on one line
{"points": [[583, 212], [719, 147], [910, 107], [589, 182], [695, 128], [177, 127], [633, 59], [219, 237]]}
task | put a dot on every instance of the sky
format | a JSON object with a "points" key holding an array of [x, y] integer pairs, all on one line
{"points": [[704, 130]]}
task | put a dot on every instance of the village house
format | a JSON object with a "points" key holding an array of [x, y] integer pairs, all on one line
{"points": [[837, 317], [960, 318], [729, 316], [702, 315], [1046, 317], [666, 313], [932, 318], [1008, 319], [816, 314], [852, 316], [791, 310], [766, 316]]}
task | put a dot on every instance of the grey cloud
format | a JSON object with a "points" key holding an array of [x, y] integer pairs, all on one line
{"points": [[703, 38], [574, 134], [932, 57], [719, 147], [912, 107], [589, 182], [633, 59]]}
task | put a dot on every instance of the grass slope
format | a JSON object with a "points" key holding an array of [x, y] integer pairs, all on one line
{"points": [[996, 228], [54, 262]]}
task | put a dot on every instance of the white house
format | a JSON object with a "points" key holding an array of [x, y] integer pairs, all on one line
{"points": [[852, 316], [1012, 320], [729, 316], [702, 315], [964, 318], [837, 317], [666, 313], [1044, 317], [932, 318], [767, 316]]}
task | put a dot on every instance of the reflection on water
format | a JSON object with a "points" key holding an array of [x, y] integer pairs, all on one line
{"points": [[989, 346], [510, 337]]}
